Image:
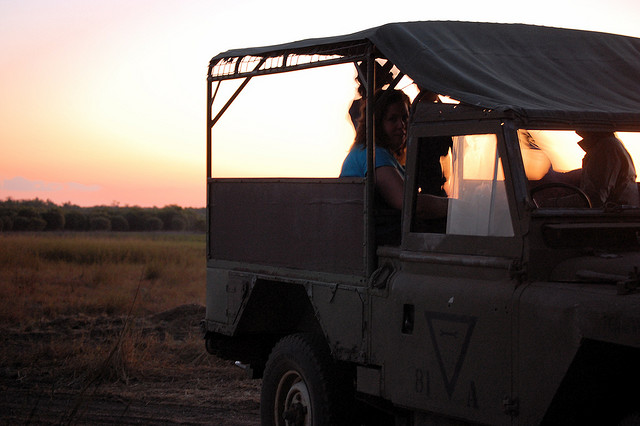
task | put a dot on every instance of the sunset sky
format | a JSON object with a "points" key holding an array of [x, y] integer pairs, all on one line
{"points": [[103, 102]]}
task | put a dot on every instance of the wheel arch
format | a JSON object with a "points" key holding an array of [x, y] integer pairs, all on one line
{"points": [[596, 388], [276, 307], [273, 309]]}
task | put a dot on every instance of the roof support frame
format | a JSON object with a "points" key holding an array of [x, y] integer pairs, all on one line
{"points": [[371, 161], [352, 54], [287, 68], [320, 56]]}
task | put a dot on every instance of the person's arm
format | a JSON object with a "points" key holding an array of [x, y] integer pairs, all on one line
{"points": [[390, 184], [431, 206]]}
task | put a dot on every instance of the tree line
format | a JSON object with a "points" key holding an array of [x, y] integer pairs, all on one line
{"points": [[38, 215]]}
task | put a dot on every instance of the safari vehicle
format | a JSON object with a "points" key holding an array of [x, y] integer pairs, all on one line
{"points": [[514, 312]]}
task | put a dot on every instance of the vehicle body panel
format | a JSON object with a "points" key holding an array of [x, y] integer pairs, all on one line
{"points": [[308, 224], [461, 332]]}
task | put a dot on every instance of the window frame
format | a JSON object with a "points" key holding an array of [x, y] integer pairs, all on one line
{"points": [[463, 244]]}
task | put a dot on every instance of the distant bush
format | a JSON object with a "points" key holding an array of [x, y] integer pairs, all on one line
{"points": [[75, 220], [137, 218], [6, 215], [153, 224], [20, 223], [37, 224], [28, 212], [23, 223], [119, 223], [7, 223], [200, 225], [38, 215], [54, 218], [178, 223], [99, 223]]}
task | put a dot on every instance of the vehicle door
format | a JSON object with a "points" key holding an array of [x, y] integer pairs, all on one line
{"points": [[441, 325]]}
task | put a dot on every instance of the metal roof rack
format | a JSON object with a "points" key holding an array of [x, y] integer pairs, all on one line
{"points": [[274, 62]]}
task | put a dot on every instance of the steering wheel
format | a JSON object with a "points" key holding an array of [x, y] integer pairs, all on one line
{"points": [[571, 188]]}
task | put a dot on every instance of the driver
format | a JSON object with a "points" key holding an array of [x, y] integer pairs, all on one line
{"points": [[608, 174]]}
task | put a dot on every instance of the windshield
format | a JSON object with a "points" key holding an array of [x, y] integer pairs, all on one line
{"points": [[579, 169]]}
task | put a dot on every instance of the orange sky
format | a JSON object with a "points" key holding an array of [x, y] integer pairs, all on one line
{"points": [[103, 101]]}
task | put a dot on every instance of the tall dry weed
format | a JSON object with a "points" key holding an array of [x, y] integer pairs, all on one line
{"points": [[46, 275]]}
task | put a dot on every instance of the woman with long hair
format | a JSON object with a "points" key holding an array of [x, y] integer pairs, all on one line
{"points": [[391, 116], [392, 113]]}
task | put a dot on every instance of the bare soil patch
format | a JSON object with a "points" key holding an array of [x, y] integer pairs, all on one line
{"points": [[81, 369]]}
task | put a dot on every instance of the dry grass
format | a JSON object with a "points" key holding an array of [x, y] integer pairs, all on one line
{"points": [[95, 320], [82, 303], [43, 276]]}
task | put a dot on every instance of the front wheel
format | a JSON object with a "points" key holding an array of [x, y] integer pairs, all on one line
{"points": [[300, 385]]}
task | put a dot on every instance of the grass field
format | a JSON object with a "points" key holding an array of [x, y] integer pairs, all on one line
{"points": [[104, 327], [84, 304], [46, 275]]}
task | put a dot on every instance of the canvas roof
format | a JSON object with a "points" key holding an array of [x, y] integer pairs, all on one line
{"points": [[532, 70]]}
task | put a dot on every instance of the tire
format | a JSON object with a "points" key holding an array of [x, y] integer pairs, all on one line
{"points": [[301, 386]]}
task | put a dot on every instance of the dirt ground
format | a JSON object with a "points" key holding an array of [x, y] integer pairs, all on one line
{"points": [[78, 370]]}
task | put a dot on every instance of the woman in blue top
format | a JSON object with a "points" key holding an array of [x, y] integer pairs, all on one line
{"points": [[392, 113], [391, 132]]}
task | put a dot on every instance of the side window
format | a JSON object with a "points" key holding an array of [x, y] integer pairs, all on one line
{"points": [[471, 175]]}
